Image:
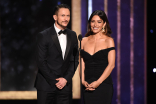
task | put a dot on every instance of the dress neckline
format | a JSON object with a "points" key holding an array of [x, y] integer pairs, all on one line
{"points": [[98, 50]]}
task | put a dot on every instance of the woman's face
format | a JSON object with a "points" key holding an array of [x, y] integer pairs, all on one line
{"points": [[96, 24]]}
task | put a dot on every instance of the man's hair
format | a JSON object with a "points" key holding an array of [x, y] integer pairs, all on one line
{"points": [[56, 9]]}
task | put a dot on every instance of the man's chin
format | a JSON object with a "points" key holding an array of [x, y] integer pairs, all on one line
{"points": [[64, 25]]}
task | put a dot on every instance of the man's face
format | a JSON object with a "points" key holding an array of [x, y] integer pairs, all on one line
{"points": [[62, 18]]}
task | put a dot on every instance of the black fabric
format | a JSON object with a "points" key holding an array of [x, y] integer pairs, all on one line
{"points": [[54, 97], [62, 32], [94, 67]]}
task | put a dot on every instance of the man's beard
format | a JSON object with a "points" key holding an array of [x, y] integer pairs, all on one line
{"points": [[62, 25]]}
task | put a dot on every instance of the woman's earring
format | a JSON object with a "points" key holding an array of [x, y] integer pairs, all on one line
{"points": [[103, 29]]}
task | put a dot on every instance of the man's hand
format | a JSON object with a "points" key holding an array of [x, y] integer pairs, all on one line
{"points": [[61, 83]]}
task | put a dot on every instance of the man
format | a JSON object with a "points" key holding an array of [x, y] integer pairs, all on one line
{"points": [[57, 57]]}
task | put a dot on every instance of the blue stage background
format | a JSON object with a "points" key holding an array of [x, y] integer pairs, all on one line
{"points": [[125, 46]]}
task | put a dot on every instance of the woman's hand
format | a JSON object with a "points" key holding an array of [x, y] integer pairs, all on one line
{"points": [[85, 83], [87, 86], [90, 89], [94, 84]]}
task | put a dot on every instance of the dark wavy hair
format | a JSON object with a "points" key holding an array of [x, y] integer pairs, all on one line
{"points": [[56, 9], [103, 16]]}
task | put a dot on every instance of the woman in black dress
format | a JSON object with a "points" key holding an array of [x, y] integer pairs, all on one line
{"points": [[98, 60]]}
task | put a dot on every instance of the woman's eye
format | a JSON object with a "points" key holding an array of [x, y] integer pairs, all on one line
{"points": [[99, 21]]}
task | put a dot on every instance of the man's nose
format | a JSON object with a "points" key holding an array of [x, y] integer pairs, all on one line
{"points": [[66, 18]]}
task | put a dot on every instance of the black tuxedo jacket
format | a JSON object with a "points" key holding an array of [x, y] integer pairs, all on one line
{"points": [[50, 62]]}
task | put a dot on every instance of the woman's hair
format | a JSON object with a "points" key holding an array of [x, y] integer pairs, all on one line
{"points": [[103, 16]]}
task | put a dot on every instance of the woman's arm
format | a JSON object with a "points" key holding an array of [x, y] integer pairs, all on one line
{"points": [[82, 65]]}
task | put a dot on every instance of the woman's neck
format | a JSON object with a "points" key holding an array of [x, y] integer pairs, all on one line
{"points": [[98, 35]]}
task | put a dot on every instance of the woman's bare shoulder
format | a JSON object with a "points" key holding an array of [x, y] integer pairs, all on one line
{"points": [[84, 39], [110, 42]]}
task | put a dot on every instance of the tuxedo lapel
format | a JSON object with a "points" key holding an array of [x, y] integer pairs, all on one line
{"points": [[55, 39], [68, 44]]}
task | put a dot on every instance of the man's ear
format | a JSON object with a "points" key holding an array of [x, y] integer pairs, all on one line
{"points": [[55, 17]]}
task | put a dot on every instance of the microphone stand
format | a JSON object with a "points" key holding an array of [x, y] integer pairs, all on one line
{"points": [[75, 51], [81, 102]]}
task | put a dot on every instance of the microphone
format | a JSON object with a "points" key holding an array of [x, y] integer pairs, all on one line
{"points": [[80, 37]]}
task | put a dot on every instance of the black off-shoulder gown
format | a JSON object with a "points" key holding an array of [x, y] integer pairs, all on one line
{"points": [[94, 67]]}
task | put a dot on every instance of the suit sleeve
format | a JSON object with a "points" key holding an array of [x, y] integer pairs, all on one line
{"points": [[41, 58], [73, 61]]}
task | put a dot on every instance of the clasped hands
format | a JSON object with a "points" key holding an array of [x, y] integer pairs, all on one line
{"points": [[92, 86], [61, 83]]}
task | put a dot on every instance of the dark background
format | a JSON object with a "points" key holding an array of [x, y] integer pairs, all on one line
{"points": [[21, 20], [151, 51]]}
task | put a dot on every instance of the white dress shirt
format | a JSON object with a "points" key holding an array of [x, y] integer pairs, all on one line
{"points": [[62, 39]]}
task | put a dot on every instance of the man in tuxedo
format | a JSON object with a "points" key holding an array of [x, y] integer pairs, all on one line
{"points": [[57, 59]]}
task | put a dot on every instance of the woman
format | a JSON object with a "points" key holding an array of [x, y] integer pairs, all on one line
{"points": [[98, 60]]}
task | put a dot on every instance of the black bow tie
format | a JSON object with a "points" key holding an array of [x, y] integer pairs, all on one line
{"points": [[62, 32]]}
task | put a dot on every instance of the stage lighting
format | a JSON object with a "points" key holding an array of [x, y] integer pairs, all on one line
{"points": [[89, 8], [151, 31], [154, 70], [59, 3]]}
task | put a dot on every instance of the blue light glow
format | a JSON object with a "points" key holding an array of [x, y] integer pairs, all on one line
{"points": [[19, 19], [89, 8], [59, 3], [151, 31]]}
